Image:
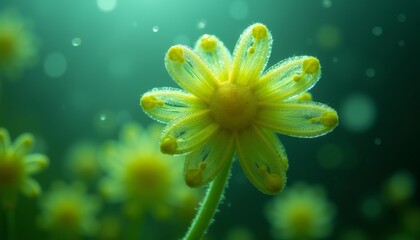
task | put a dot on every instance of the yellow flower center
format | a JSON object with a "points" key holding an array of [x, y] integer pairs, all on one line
{"points": [[6, 47], [147, 177], [67, 216], [11, 173], [233, 106]]}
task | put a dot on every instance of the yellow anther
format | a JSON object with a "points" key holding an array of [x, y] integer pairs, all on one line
{"points": [[306, 96], [297, 78], [251, 50], [314, 120], [329, 119], [208, 42], [259, 31], [168, 145], [310, 65], [274, 183], [194, 177], [176, 54], [149, 102]]}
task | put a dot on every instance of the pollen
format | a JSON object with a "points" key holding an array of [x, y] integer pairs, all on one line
{"points": [[329, 119], [149, 102], [310, 65], [194, 177], [274, 183], [208, 43], [168, 145], [176, 54], [233, 106], [259, 31]]}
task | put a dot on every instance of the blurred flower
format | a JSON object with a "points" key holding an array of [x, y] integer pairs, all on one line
{"points": [[399, 188], [17, 166], [139, 175], [301, 212], [68, 212], [18, 48], [230, 105], [82, 161]]}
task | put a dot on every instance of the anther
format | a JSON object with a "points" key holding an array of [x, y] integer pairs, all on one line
{"points": [[149, 102], [168, 145], [329, 119], [194, 177], [310, 65], [259, 32], [176, 54], [208, 42]]}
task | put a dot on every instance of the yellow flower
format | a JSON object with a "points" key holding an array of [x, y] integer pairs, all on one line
{"points": [[301, 212], [138, 174], [17, 166], [68, 211], [82, 161], [17, 44], [231, 106]]}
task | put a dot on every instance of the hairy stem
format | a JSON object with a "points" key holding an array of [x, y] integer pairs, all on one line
{"points": [[209, 205]]}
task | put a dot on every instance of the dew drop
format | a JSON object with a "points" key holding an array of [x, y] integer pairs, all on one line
{"points": [[102, 116], [370, 72], [326, 3], [76, 41], [401, 18], [377, 31], [201, 24], [155, 28]]}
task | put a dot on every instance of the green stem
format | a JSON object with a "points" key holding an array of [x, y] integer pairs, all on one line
{"points": [[10, 220], [209, 205]]}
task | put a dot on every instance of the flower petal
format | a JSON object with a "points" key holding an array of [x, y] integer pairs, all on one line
{"points": [[34, 163], [190, 72], [215, 55], [187, 133], [203, 164], [298, 118], [251, 54], [31, 188], [23, 144], [4, 140], [288, 78], [167, 104], [263, 159]]}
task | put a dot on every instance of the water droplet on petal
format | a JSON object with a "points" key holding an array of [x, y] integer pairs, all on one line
{"points": [[155, 28], [76, 41]]}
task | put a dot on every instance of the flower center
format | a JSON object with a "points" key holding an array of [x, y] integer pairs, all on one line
{"points": [[233, 106], [6, 47]]}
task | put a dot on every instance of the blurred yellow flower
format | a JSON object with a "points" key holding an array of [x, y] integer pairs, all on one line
{"points": [[17, 166], [301, 212], [231, 105], [82, 161], [68, 212], [139, 175], [18, 48]]}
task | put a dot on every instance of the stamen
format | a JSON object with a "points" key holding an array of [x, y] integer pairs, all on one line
{"points": [[168, 145], [194, 177], [329, 119], [259, 32], [208, 43], [149, 102], [176, 54]]}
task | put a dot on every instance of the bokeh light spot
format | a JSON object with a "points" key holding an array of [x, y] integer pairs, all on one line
{"points": [[55, 65], [106, 5], [239, 10], [358, 112]]}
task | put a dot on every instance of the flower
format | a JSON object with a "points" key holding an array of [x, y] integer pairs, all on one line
{"points": [[17, 166], [18, 45], [68, 211], [229, 105], [82, 161], [139, 175], [301, 212]]}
